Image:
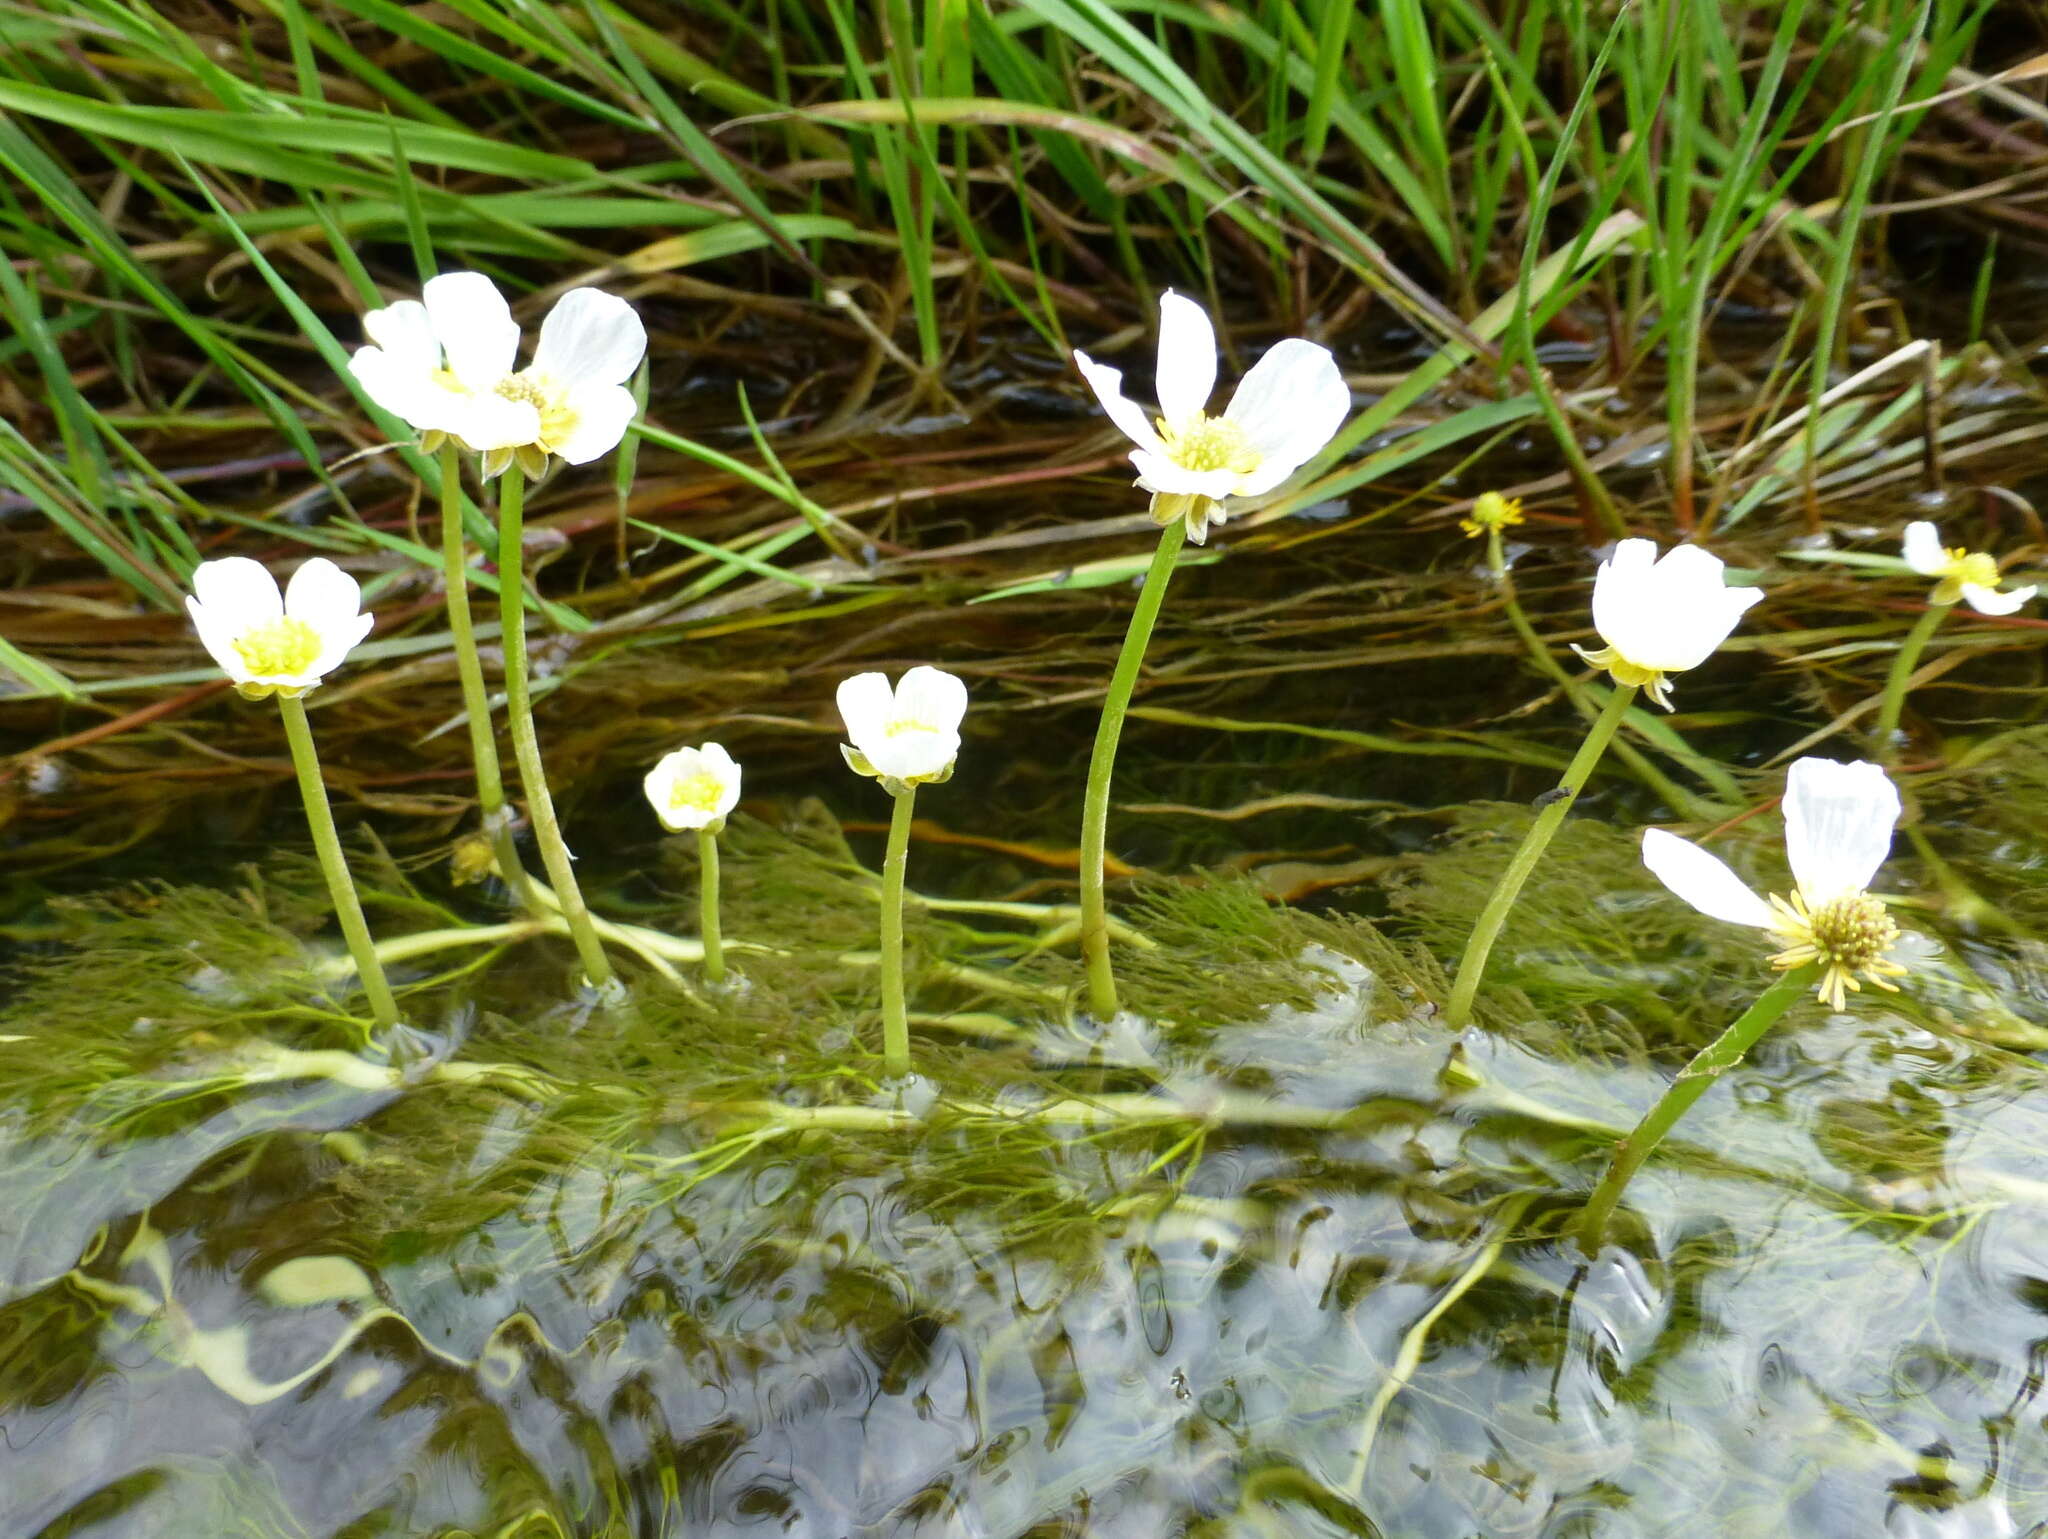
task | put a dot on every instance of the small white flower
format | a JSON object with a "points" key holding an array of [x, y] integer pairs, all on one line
{"points": [[1838, 830], [694, 788], [1289, 405], [908, 736], [1661, 617], [271, 643], [444, 362], [1963, 573]]}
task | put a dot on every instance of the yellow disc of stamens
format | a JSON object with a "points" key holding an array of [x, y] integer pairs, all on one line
{"points": [[281, 646], [1851, 937], [695, 793], [1210, 443]]}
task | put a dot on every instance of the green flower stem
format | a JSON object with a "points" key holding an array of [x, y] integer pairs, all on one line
{"points": [[895, 1022], [707, 905], [476, 700], [540, 806], [1102, 764], [320, 818], [1885, 738], [1541, 832], [1693, 1081]]}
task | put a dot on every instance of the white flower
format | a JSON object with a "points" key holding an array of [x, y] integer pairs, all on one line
{"points": [[908, 736], [271, 643], [1838, 830], [444, 362], [1661, 617], [1289, 405], [694, 788], [1963, 573]]}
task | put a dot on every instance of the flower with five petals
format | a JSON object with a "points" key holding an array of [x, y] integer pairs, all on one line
{"points": [[1660, 617], [694, 788], [1286, 408], [271, 643], [1838, 830], [905, 737], [1961, 573]]}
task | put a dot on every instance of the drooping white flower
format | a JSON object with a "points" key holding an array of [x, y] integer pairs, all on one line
{"points": [[1838, 830], [445, 363], [1661, 617], [1286, 408], [908, 736], [694, 788], [269, 642], [1961, 573]]}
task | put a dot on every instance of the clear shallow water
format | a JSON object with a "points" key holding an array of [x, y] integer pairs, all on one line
{"points": [[1273, 1269]]}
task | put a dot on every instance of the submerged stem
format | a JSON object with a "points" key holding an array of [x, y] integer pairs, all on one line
{"points": [[1534, 843], [540, 806], [1102, 764], [476, 699], [320, 818], [1693, 1081], [1885, 736], [707, 905], [895, 1022]]}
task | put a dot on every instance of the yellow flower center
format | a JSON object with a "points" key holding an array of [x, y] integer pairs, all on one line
{"points": [[901, 726], [281, 646], [1491, 511], [1209, 443], [1849, 936], [696, 793], [1653, 682], [1964, 567], [557, 417]]}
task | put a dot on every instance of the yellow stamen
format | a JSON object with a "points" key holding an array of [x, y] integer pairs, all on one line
{"points": [[1964, 568], [1209, 443], [696, 793], [1653, 682], [1849, 935], [280, 646], [1491, 511]]}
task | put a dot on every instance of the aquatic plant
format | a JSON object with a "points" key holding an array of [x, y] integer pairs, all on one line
{"points": [[1657, 617], [1961, 575], [445, 364], [695, 790], [1838, 831], [904, 738], [1284, 412], [283, 645]]}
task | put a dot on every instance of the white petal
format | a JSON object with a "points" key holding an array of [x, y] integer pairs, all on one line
{"points": [[590, 337], [474, 326], [931, 697], [1989, 601], [1107, 383], [1703, 880], [324, 596], [492, 422], [722, 764], [865, 704], [1620, 589], [912, 755], [217, 634], [1838, 826], [1157, 473], [603, 413], [405, 333], [1187, 359], [397, 387], [237, 592], [1923, 550], [335, 646], [1289, 405]]}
